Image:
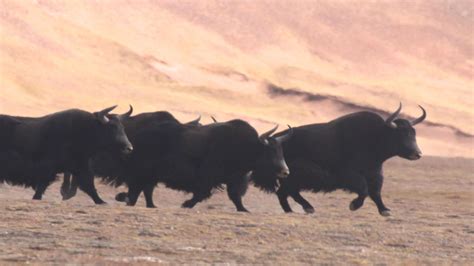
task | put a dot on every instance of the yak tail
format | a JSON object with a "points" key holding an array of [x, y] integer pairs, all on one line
{"points": [[112, 181]]}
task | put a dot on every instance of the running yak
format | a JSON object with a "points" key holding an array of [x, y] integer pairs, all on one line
{"points": [[135, 127], [199, 160], [347, 153], [34, 150]]}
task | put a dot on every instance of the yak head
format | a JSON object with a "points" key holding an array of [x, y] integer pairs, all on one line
{"points": [[271, 165], [111, 133], [403, 135]]}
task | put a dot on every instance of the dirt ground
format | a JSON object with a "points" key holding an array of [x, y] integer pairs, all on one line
{"points": [[432, 202]]}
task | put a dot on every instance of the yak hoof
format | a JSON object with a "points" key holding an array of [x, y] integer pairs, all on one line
{"points": [[308, 210], [385, 213], [356, 204], [352, 207], [151, 206], [122, 197], [67, 196], [129, 202], [187, 204]]}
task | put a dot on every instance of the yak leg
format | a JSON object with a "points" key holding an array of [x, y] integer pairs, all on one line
{"points": [[197, 197], [39, 191], [86, 184], [133, 194], [204, 192], [375, 188], [302, 201], [355, 183], [41, 188], [235, 191], [43, 169], [69, 186], [304, 174], [74, 186], [148, 192], [282, 194], [201, 179], [65, 186], [132, 199], [357, 202]]}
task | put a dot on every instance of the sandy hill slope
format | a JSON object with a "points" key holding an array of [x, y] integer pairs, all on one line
{"points": [[265, 61]]}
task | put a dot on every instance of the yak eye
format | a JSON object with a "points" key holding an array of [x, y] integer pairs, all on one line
{"points": [[113, 127]]}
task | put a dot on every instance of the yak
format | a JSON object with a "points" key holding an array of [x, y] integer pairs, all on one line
{"points": [[37, 149], [133, 125], [200, 159], [346, 153]]}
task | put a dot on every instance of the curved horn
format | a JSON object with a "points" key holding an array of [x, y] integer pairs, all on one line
{"points": [[214, 119], [286, 136], [419, 119], [392, 117], [267, 134], [195, 121], [102, 115], [127, 114]]}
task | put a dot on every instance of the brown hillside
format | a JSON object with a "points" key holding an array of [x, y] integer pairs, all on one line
{"points": [[207, 57]]}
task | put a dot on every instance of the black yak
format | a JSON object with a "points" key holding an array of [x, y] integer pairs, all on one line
{"points": [[38, 149], [200, 159], [346, 153], [133, 125]]}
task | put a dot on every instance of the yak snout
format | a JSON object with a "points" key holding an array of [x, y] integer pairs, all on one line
{"points": [[416, 155], [127, 149], [284, 172]]}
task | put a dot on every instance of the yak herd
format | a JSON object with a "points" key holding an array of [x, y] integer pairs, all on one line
{"points": [[144, 150]]}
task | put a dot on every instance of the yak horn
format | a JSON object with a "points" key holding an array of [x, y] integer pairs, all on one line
{"points": [[286, 136], [267, 134], [127, 114], [392, 117], [102, 115], [419, 119], [195, 121]]}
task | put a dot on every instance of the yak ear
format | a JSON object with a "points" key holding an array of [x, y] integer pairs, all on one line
{"points": [[102, 115]]}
